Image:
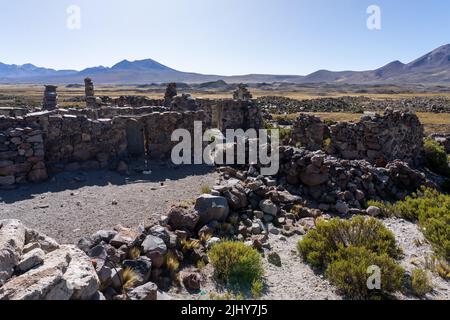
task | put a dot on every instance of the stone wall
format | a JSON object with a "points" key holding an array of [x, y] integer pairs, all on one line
{"points": [[160, 126], [378, 139], [21, 153], [309, 132], [231, 114]]}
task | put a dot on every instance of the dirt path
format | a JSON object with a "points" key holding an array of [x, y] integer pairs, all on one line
{"points": [[72, 205]]}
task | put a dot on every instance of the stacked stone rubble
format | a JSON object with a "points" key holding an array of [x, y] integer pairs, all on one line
{"points": [[171, 92], [50, 98], [90, 94], [309, 132], [379, 139], [242, 93]]}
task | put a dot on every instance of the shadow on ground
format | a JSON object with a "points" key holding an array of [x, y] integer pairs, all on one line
{"points": [[151, 173]]}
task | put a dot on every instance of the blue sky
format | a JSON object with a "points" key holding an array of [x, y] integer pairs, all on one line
{"points": [[223, 36]]}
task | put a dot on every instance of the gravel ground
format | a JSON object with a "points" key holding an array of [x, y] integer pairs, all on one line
{"points": [[294, 280], [415, 249], [72, 205]]}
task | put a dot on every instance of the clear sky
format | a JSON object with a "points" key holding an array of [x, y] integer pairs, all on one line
{"points": [[222, 36]]}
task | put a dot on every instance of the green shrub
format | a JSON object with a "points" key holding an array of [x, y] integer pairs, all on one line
{"points": [[420, 282], [345, 249], [236, 264], [349, 272], [257, 289], [320, 246], [432, 211], [436, 157]]}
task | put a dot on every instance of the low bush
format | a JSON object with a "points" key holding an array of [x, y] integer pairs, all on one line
{"points": [[236, 263], [320, 246], [420, 282], [345, 249], [436, 157], [349, 272]]}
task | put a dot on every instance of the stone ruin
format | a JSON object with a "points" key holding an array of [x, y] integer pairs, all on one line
{"points": [[242, 93], [171, 92], [90, 94], [377, 138], [50, 98], [106, 134]]}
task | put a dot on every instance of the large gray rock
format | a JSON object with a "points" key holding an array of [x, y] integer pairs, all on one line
{"points": [[12, 241], [152, 243], [268, 207], [211, 208], [155, 249]]}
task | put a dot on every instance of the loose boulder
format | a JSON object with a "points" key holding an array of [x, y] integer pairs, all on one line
{"points": [[211, 208]]}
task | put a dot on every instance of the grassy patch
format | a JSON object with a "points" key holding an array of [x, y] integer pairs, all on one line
{"points": [[420, 282]]}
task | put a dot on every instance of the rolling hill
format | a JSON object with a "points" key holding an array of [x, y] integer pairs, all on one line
{"points": [[432, 68]]}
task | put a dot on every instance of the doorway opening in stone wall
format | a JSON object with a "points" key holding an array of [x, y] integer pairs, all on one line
{"points": [[136, 139], [217, 116]]}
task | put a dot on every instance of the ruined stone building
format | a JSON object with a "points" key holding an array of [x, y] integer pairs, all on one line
{"points": [[108, 133]]}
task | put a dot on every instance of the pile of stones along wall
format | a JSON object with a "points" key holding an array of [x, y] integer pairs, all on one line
{"points": [[378, 139], [21, 152], [160, 126], [327, 180]]}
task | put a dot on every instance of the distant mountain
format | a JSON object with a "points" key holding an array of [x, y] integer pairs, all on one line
{"points": [[433, 67]]}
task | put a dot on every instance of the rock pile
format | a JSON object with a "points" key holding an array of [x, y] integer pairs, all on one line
{"points": [[21, 156], [309, 132], [171, 92], [35, 267], [242, 93], [89, 94], [50, 98], [378, 139], [280, 105]]}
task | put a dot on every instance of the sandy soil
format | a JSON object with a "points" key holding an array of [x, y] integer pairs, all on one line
{"points": [[73, 205]]}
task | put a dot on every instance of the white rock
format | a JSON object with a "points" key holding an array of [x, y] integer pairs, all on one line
{"points": [[12, 241], [80, 274], [31, 259], [38, 283]]}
